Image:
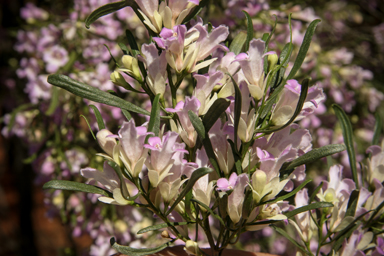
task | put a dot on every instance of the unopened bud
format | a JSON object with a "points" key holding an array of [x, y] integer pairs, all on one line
{"points": [[132, 65], [191, 247], [118, 79], [272, 61], [106, 143], [165, 234]]}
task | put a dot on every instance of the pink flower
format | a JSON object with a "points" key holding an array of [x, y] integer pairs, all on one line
{"points": [[224, 184]]}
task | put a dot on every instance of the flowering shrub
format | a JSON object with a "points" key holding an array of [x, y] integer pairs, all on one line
{"points": [[209, 142]]}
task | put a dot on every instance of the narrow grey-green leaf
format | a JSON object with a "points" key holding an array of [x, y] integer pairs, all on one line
{"points": [[154, 121], [160, 226], [197, 124], [113, 58], [99, 119], [290, 194], [346, 128], [314, 193], [308, 208], [89, 126], [238, 42], [238, 100], [197, 174], [285, 234], [212, 213], [105, 10], [299, 107], [378, 129], [249, 30], [270, 35], [123, 48], [352, 203], [311, 156], [303, 48], [54, 102], [214, 112], [129, 251], [126, 114], [75, 186], [92, 93], [195, 11]]}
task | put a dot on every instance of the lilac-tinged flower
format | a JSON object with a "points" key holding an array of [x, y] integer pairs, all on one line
{"points": [[203, 90], [202, 190], [160, 162], [131, 147], [106, 141], [252, 67], [376, 163], [110, 181], [156, 66], [30, 13], [55, 58], [236, 198], [287, 103], [357, 243], [303, 221], [221, 147], [224, 184], [184, 127]]}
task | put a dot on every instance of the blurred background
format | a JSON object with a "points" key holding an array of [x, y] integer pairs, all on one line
{"points": [[45, 132]]}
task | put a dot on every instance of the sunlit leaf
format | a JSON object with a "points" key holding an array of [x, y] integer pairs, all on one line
{"points": [[99, 119], [105, 10], [137, 252], [75, 186], [92, 93]]}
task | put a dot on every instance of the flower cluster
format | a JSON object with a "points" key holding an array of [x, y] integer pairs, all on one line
{"points": [[214, 130]]}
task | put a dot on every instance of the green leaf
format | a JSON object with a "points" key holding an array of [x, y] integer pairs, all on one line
{"points": [[203, 134], [290, 194], [311, 156], [248, 204], [214, 113], [154, 121], [197, 174], [160, 226], [285, 234], [339, 240], [352, 203], [314, 193], [238, 100], [129, 251], [270, 35], [238, 42], [195, 11], [89, 127], [378, 129], [308, 208], [123, 48], [346, 128], [105, 10], [113, 58], [249, 30], [303, 48], [99, 119], [126, 114], [76, 186], [197, 124], [132, 41], [206, 207], [54, 102], [299, 107], [92, 93]]}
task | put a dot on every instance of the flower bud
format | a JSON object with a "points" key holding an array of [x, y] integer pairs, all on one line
{"points": [[106, 143], [118, 79], [132, 66], [165, 234], [192, 248], [272, 61]]}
